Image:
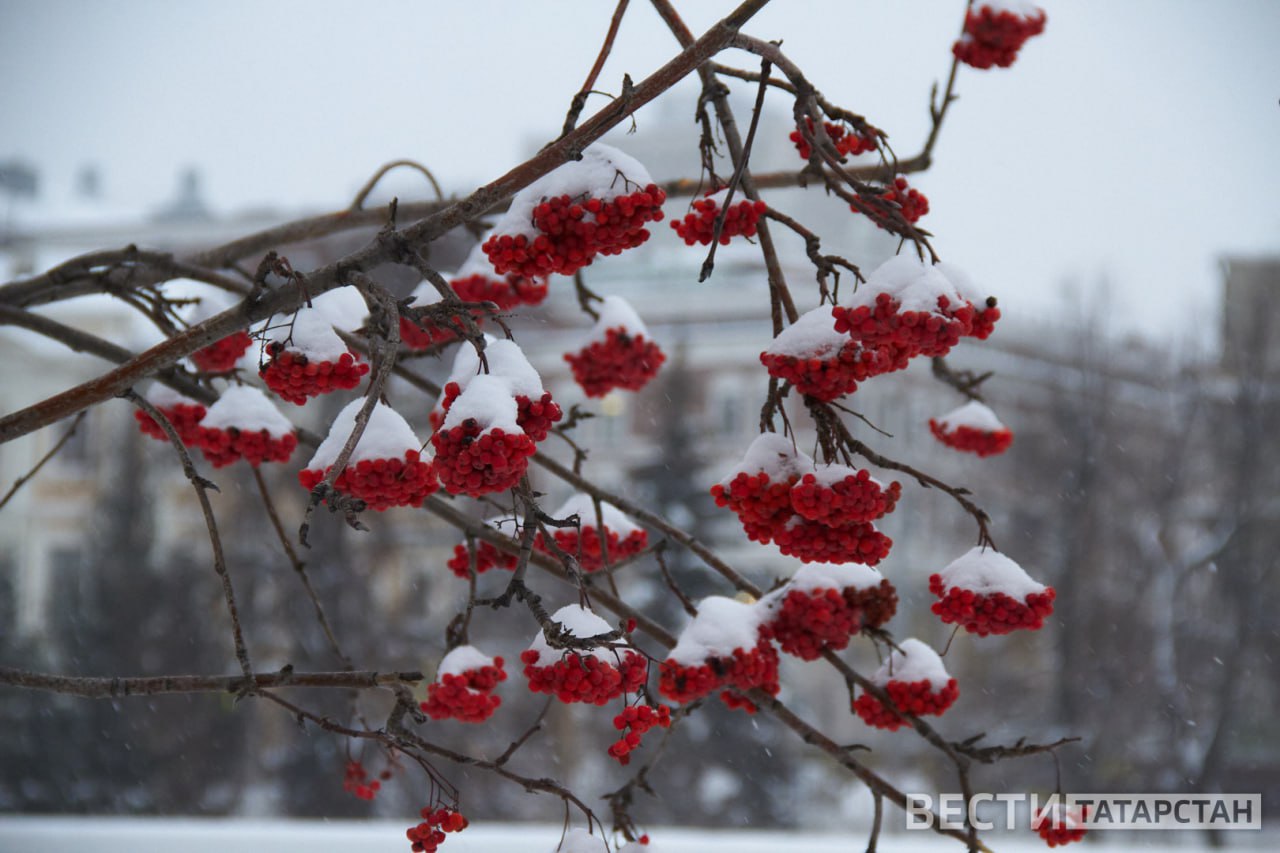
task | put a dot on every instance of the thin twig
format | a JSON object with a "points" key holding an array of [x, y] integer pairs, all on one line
{"points": [[580, 99], [358, 202], [299, 568], [53, 451], [202, 486], [119, 687]]}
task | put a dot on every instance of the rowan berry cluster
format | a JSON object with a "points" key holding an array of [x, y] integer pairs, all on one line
{"points": [[585, 677], [743, 669], [805, 622], [909, 202], [1059, 825], [297, 379], [813, 541], [487, 557], [994, 32], [985, 592], [820, 514], [224, 446], [185, 418], [221, 355], [919, 698], [622, 538], [535, 417], [990, 613], [507, 292], [356, 781], [427, 836], [490, 421], [474, 460], [639, 719], [848, 142], [622, 359], [833, 374], [381, 483], [418, 337], [972, 439], [699, 225], [572, 230], [928, 330], [587, 545], [466, 696], [855, 497]]}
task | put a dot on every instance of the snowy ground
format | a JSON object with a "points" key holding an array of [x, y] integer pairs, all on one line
{"points": [[127, 835]]}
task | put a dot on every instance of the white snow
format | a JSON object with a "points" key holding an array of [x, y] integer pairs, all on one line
{"points": [[812, 335], [488, 400], [604, 172], [814, 576], [162, 396], [506, 361], [916, 662], [775, 455], [974, 415], [311, 334], [249, 410], [466, 362], [581, 623], [386, 436], [722, 625], [578, 840], [343, 307], [964, 284], [1024, 8], [462, 659], [916, 284], [986, 571], [616, 312], [830, 474], [582, 506], [424, 294]]}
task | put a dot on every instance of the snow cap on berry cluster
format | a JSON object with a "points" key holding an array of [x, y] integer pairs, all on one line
{"points": [[584, 507], [161, 396], [1023, 8], [974, 415], [343, 307], [387, 435], [773, 454], [915, 283], [616, 312], [722, 625], [310, 334], [578, 622], [463, 659], [815, 576], [916, 661], [964, 284], [832, 473], [248, 410], [812, 335], [985, 571], [488, 401], [604, 172], [506, 361]]}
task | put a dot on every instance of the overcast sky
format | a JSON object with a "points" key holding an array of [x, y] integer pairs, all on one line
{"points": [[1134, 139]]}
